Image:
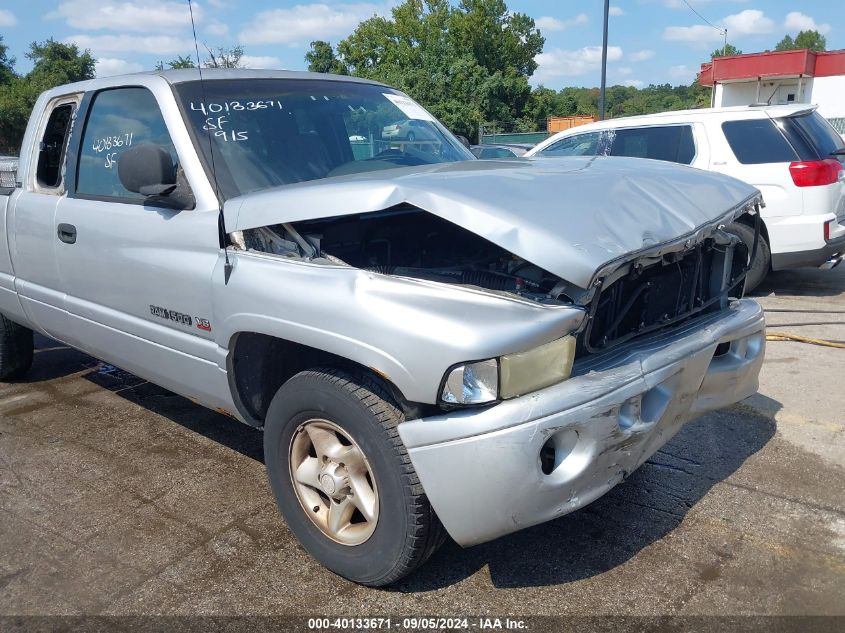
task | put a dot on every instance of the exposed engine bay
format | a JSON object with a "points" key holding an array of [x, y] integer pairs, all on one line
{"points": [[409, 242], [641, 295]]}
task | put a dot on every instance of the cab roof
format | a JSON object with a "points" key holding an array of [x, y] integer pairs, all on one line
{"points": [[184, 75]]}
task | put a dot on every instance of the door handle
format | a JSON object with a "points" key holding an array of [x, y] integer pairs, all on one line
{"points": [[67, 233]]}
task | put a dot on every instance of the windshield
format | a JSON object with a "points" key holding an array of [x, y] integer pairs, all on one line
{"points": [[271, 132]]}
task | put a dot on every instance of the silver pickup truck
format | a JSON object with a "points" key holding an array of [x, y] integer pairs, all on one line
{"points": [[431, 344]]}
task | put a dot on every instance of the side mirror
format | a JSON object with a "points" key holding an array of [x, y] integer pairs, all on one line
{"points": [[147, 169]]}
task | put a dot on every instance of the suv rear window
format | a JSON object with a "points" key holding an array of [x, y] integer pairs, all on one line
{"points": [[756, 141], [811, 136], [666, 142]]}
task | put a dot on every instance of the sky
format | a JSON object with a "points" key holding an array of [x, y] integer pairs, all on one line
{"points": [[650, 41]]}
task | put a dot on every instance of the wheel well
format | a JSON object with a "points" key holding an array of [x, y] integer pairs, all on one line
{"points": [[748, 220], [259, 364]]}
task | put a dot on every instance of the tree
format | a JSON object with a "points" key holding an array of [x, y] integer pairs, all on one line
{"points": [[726, 51], [7, 64], [811, 39], [468, 63], [179, 62], [321, 58], [54, 64], [224, 57]]}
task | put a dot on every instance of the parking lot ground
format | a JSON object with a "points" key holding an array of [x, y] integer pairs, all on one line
{"points": [[117, 497]]}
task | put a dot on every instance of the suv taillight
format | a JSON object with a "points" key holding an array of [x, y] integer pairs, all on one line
{"points": [[812, 173]]}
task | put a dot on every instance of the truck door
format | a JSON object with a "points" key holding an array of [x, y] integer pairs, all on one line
{"points": [[33, 234], [137, 270]]}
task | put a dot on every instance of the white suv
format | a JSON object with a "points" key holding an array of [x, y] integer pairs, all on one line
{"points": [[789, 152]]}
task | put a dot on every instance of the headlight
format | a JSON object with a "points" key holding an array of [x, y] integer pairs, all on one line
{"points": [[472, 383], [511, 375], [537, 368]]}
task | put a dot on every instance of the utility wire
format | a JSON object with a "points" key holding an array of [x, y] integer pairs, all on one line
{"points": [[706, 21]]}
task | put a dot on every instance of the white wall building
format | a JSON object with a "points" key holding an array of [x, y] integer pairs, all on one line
{"points": [[800, 76]]}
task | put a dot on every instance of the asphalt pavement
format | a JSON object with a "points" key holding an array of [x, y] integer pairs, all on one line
{"points": [[118, 497]]}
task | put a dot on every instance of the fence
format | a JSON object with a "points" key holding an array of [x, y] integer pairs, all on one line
{"points": [[531, 138]]}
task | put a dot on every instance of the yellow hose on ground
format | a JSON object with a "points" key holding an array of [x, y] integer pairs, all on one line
{"points": [[783, 336]]}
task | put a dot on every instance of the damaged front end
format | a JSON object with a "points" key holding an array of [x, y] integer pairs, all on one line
{"points": [[655, 292], [652, 290], [407, 242]]}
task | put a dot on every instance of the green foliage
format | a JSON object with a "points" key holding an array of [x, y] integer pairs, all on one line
{"points": [[620, 101], [725, 51], [811, 39], [468, 64], [7, 64], [54, 64], [179, 62], [322, 59]]}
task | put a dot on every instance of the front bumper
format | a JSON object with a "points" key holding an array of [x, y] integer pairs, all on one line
{"points": [[481, 469]]}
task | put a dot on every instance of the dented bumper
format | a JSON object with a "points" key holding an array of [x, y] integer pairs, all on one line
{"points": [[482, 469]]}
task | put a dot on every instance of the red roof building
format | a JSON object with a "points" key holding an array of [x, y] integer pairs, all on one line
{"points": [[800, 76]]}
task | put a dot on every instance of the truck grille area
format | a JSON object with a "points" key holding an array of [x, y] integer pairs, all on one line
{"points": [[665, 293]]}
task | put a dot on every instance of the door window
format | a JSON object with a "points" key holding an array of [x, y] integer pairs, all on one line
{"points": [[757, 141], [119, 119], [576, 145], [672, 143], [51, 154]]}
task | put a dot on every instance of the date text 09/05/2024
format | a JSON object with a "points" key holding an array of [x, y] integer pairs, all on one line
{"points": [[416, 624]]}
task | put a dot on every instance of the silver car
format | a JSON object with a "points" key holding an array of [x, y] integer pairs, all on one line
{"points": [[431, 344]]}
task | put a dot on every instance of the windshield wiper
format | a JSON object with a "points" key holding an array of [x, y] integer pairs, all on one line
{"points": [[838, 152]]}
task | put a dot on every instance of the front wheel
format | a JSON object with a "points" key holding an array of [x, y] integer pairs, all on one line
{"points": [[343, 480], [763, 258]]}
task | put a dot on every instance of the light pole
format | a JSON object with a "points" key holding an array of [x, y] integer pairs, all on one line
{"points": [[603, 61]]}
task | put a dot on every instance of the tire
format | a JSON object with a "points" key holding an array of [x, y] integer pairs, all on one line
{"points": [[16, 349], [763, 259], [406, 531]]}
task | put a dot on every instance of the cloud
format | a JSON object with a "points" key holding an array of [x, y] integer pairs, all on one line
{"points": [[636, 83], [641, 56], [7, 18], [303, 23], [150, 16], [108, 66], [158, 44], [259, 61], [624, 70], [566, 63], [217, 28], [682, 71], [616, 11], [696, 33], [547, 23], [797, 21], [748, 22]]}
